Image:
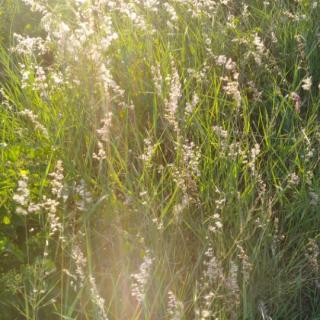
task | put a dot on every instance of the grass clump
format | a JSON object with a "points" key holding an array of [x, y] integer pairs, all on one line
{"points": [[159, 160]]}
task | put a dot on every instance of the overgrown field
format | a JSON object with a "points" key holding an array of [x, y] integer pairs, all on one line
{"points": [[159, 160]]}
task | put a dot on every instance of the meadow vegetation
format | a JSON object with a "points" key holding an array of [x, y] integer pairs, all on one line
{"points": [[159, 159]]}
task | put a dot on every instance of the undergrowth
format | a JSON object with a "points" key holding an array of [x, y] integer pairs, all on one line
{"points": [[159, 159]]}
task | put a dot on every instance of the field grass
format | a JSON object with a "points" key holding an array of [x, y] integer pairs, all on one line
{"points": [[159, 160]]}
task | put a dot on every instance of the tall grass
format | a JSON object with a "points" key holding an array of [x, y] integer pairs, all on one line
{"points": [[159, 160]]}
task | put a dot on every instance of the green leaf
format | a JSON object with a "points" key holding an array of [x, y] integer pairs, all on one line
{"points": [[6, 220]]}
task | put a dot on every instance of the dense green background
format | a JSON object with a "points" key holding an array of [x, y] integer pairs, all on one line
{"points": [[274, 226]]}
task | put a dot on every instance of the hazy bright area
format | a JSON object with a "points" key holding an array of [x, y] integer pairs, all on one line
{"points": [[159, 160]]}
